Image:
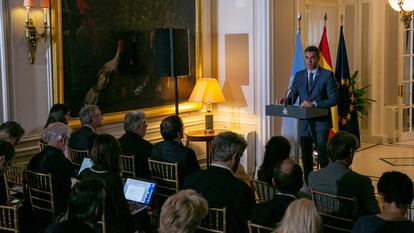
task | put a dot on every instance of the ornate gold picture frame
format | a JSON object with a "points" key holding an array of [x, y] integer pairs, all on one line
{"points": [[90, 37]]}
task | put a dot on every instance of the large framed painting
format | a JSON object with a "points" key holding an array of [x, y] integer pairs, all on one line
{"points": [[104, 54]]}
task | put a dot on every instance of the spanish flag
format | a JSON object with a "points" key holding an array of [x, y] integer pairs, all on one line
{"points": [[326, 63]]}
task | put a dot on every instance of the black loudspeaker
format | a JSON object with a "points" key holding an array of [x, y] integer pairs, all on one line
{"points": [[172, 52]]}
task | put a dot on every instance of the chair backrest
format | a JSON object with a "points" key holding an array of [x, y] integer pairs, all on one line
{"points": [[77, 156], [13, 179], [166, 176], [215, 221], [410, 213], [40, 189], [263, 191], [338, 213], [256, 228], [9, 218], [128, 166], [42, 145]]}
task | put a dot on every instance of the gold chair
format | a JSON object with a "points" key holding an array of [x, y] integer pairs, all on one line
{"points": [[166, 176], [13, 179], [77, 156], [263, 191], [256, 228], [410, 213], [215, 221], [338, 213], [9, 218], [128, 166], [40, 188], [42, 145]]}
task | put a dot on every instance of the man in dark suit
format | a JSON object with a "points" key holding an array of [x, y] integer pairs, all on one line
{"points": [[52, 160], [133, 142], [338, 179], [315, 87], [288, 179], [91, 118], [219, 185], [172, 150]]}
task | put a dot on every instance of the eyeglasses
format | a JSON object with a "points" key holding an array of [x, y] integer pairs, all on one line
{"points": [[145, 123]]}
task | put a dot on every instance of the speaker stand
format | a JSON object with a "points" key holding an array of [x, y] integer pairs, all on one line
{"points": [[176, 95]]}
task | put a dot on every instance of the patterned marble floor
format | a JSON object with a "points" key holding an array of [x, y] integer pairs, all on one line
{"points": [[372, 160]]}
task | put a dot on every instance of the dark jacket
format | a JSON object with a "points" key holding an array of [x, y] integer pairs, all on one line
{"points": [[134, 145], [172, 151], [222, 189], [82, 139], [271, 212]]}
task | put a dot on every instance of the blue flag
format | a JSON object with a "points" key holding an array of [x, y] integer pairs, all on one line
{"points": [[290, 125]]}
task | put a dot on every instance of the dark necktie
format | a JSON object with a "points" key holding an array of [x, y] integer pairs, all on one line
{"points": [[310, 82]]}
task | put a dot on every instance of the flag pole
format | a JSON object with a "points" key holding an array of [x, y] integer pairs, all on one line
{"points": [[299, 18], [325, 18], [342, 19]]}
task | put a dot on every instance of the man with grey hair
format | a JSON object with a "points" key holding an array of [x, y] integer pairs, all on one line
{"points": [[133, 142], [52, 160], [91, 118], [219, 185]]}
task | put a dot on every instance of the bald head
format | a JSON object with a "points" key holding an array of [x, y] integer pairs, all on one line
{"points": [[288, 177]]}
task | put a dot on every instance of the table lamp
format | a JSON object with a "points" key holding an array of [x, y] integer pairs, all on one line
{"points": [[207, 91]]}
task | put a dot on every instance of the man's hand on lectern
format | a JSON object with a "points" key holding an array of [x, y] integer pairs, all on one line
{"points": [[306, 104]]}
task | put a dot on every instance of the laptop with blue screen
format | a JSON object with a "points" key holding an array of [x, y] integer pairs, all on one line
{"points": [[86, 163], [139, 192]]}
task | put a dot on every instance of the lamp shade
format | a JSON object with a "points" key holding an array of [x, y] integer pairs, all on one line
{"points": [[28, 3], [44, 4], [207, 90], [407, 5]]}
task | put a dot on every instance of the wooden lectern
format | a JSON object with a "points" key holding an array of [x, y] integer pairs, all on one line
{"points": [[295, 111]]}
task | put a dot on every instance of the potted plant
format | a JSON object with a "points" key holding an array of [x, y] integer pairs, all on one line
{"points": [[360, 102]]}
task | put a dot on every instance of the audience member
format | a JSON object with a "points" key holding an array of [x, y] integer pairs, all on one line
{"points": [[85, 207], [396, 192], [338, 179], [52, 160], [288, 179], [183, 212], [219, 185], [11, 131], [90, 118], [133, 142], [277, 149], [105, 155], [6, 154], [172, 150], [58, 113], [300, 217]]}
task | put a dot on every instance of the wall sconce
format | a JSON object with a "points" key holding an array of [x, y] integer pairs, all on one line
{"points": [[31, 34], [406, 8], [207, 90]]}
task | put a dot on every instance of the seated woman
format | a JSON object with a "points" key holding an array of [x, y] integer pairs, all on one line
{"points": [[300, 217], [183, 212], [396, 192], [105, 155], [277, 149], [58, 113]]}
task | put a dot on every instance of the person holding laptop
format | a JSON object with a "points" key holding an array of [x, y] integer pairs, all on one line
{"points": [[105, 155]]}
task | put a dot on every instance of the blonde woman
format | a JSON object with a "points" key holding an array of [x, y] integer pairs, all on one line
{"points": [[183, 212], [300, 217]]}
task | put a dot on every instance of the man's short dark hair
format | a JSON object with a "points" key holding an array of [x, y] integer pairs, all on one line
{"points": [[312, 49], [288, 179], [341, 145], [396, 187], [10, 129], [171, 127], [6, 150], [85, 197]]}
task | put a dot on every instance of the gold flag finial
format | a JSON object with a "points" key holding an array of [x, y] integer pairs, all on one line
{"points": [[325, 18], [299, 18], [342, 19]]}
